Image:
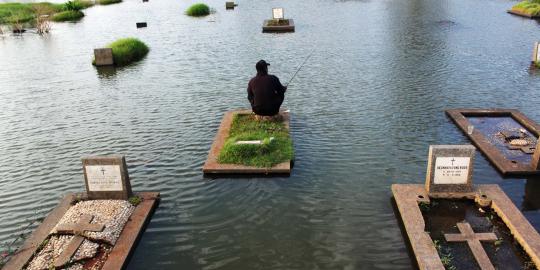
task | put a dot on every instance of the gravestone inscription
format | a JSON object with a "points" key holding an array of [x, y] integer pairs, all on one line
{"points": [[277, 14], [106, 177], [450, 168], [103, 57]]}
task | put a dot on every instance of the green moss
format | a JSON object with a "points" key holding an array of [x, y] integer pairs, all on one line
{"points": [[267, 154], [537, 64], [127, 50], [135, 200], [530, 7], [108, 2], [68, 15], [198, 10]]}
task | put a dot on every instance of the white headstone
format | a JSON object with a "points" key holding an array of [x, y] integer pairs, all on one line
{"points": [[450, 168], [277, 13], [104, 178]]}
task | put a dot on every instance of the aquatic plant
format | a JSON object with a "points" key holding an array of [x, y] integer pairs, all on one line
{"points": [[127, 50], [108, 2], [198, 10], [68, 15], [20, 13], [266, 154], [135, 200], [530, 7]]}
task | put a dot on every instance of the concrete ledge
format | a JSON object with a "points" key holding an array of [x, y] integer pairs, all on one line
{"points": [[505, 166], [407, 197], [277, 28], [211, 166], [121, 251], [522, 14]]}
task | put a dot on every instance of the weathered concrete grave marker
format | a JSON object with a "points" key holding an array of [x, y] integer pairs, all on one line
{"points": [[103, 57], [473, 240], [450, 168], [106, 177], [141, 24], [230, 5], [278, 23], [76, 230], [536, 53]]}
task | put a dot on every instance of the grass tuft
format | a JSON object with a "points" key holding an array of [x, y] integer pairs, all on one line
{"points": [[267, 154], [198, 10], [11, 13], [530, 7], [68, 15], [108, 2], [127, 50]]}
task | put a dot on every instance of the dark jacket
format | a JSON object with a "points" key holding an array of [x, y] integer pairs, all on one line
{"points": [[265, 93]]}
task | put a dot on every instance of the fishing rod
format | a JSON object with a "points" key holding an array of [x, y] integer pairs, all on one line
{"points": [[294, 75]]}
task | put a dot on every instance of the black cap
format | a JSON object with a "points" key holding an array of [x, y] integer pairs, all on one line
{"points": [[261, 65]]}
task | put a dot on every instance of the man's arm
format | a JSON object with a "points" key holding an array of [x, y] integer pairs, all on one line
{"points": [[280, 88]]}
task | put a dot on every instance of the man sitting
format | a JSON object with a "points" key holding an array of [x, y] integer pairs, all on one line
{"points": [[265, 92]]}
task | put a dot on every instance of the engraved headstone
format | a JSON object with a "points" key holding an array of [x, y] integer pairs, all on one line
{"points": [[277, 13], [229, 5], [450, 168], [106, 177], [103, 57]]}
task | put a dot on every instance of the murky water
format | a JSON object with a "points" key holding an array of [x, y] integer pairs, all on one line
{"points": [[364, 111]]}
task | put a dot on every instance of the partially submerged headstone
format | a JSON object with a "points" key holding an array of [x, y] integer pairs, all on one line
{"points": [[230, 5], [103, 57], [278, 23], [450, 168], [141, 24], [536, 54], [106, 177]]}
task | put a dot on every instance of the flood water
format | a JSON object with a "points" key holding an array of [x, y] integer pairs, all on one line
{"points": [[364, 111]]}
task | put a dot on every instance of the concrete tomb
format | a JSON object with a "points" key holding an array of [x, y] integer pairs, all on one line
{"points": [[141, 24], [431, 213], [506, 137], [103, 57], [230, 5], [212, 166], [278, 23], [97, 229]]}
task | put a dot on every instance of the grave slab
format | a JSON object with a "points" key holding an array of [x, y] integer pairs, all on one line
{"points": [[495, 144], [212, 166], [269, 28], [123, 247], [409, 196]]}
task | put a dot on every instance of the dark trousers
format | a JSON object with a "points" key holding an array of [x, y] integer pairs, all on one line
{"points": [[269, 110]]}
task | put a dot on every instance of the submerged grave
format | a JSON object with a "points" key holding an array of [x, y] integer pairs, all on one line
{"points": [[278, 23], [451, 223], [254, 152], [507, 137], [97, 229]]}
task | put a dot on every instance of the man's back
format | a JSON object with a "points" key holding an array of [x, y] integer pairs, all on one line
{"points": [[265, 93]]}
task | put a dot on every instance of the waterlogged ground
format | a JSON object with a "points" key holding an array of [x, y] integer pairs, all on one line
{"points": [[364, 111]]}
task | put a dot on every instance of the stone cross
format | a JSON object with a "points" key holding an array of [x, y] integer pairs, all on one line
{"points": [[473, 240], [77, 230]]}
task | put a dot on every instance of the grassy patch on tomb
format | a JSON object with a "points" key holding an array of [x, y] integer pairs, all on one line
{"points": [[109, 2], [127, 50], [68, 15], [530, 7], [198, 10], [269, 153], [280, 22]]}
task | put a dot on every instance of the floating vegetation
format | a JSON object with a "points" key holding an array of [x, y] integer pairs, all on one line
{"points": [[529, 7], [197, 10]]}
